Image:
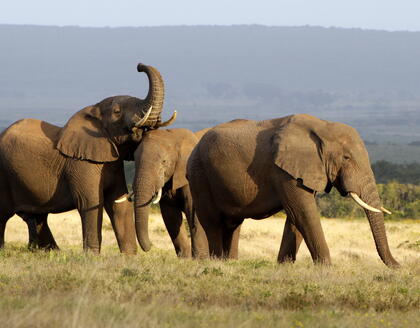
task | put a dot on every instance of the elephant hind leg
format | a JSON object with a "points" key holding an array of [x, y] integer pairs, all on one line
{"points": [[3, 222], [231, 240], [172, 216], [212, 224], [290, 242], [210, 220], [208, 215], [30, 220], [40, 235], [45, 237]]}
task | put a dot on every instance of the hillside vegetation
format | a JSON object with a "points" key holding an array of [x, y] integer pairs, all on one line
{"points": [[155, 289]]}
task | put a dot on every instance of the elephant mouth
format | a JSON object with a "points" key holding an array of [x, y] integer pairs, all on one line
{"points": [[154, 200]]}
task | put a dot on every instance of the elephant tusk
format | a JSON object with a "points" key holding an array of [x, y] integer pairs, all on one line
{"points": [[157, 197], [383, 209], [122, 199], [357, 199], [144, 119], [170, 121]]}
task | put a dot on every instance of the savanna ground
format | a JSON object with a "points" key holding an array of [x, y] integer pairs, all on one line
{"points": [[71, 289]]}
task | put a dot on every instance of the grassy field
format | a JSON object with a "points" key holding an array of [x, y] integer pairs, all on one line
{"points": [[71, 289]]}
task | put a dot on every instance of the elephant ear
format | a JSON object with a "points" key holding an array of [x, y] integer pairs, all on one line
{"points": [[84, 138], [179, 178], [298, 150]]}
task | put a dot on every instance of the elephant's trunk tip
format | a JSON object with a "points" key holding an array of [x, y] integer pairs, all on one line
{"points": [[145, 246], [140, 67]]}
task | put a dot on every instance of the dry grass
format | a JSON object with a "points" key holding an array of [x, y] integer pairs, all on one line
{"points": [[71, 289]]}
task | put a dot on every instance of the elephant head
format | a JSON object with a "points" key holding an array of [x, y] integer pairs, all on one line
{"points": [[97, 132], [323, 154], [160, 160]]}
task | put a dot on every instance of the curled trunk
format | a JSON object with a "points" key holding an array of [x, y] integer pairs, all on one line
{"points": [[155, 95]]}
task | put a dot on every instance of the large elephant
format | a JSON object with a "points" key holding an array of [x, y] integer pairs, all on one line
{"points": [[160, 176], [253, 169], [48, 169]]}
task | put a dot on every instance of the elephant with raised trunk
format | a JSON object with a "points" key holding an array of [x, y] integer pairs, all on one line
{"points": [[48, 169], [253, 169], [160, 176]]}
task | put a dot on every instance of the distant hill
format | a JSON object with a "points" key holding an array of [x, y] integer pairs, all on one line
{"points": [[369, 79]]}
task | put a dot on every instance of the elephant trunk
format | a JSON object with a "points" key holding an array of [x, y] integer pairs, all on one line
{"points": [[143, 195], [376, 221], [155, 95]]}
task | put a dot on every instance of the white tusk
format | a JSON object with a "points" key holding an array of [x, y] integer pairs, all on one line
{"points": [[357, 199], [170, 121], [121, 199], [383, 209], [156, 199], [144, 119]]}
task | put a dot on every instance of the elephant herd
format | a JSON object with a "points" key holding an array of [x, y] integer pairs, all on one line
{"points": [[217, 177]]}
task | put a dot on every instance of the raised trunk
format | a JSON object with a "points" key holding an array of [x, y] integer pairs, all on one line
{"points": [[155, 95], [143, 194], [376, 220]]}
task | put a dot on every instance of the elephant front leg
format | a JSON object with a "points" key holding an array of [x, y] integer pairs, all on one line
{"points": [[92, 227], [301, 209], [172, 217], [290, 242]]}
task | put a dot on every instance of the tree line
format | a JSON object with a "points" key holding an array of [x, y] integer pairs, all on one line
{"points": [[403, 173]]}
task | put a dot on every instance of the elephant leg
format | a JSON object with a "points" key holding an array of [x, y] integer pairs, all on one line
{"points": [[3, 222], [210, 220], [290, 242], [301, 209], [172, 216], [231, 240], [30, 220], [40, 235], [92, 228], [199, 243], [209, 217], [45, 237], [86, 186], [121, 216]]}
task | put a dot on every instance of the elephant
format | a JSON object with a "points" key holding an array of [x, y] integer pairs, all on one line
{"points": [[253, 169], [160, 176], [49, 169]]}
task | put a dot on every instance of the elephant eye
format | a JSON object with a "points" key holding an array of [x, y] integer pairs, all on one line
{"points": [[346, 157]]}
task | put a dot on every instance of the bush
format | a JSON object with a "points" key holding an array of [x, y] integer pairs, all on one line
{"points": [[403, 200]]}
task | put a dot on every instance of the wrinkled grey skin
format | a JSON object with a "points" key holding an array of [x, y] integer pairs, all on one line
{"points": [[160, 163], [47, 169], [253, 169]]}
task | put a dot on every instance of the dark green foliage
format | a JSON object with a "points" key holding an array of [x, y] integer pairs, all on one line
{"points": [[129, 173], [402, 199], [403, 173]]}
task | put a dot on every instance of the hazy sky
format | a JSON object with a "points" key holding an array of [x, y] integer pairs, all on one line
{"points": [[368, 14]]}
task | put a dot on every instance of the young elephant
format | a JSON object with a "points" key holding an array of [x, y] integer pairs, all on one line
{"points": [[253, 169], [160, 168]]}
